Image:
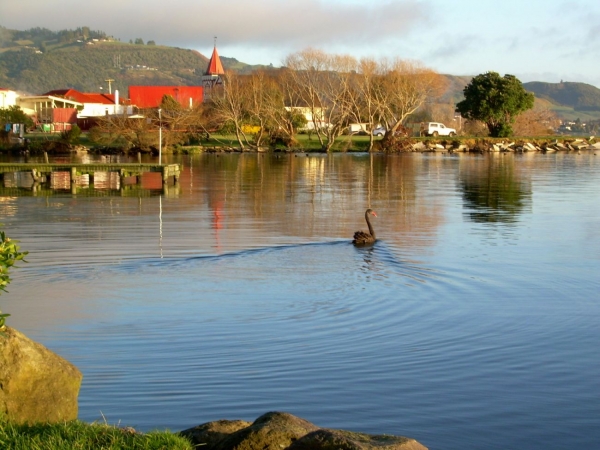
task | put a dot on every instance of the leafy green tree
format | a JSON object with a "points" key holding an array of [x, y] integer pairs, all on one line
{"points": [[9, 254], [496, 101], [14, 114], [71, 136]]}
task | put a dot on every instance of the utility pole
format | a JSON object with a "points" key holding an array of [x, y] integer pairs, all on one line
{"points": [[159, 138], [109, 80]]}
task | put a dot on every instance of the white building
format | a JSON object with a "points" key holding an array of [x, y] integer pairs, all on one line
{"points": [[7, 98]]}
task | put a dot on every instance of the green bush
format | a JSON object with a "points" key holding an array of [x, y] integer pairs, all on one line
{"points": [[71, 136], [9, 254]]}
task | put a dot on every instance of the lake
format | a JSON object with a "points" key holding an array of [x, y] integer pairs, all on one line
{"points": [[473, 322]]}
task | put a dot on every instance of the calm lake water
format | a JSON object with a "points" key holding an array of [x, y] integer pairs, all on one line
{"points": [[473, 322]]}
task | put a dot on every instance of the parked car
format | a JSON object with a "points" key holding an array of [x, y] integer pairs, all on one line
{"points": [[436, 129], [401, 131], [379, 131]]}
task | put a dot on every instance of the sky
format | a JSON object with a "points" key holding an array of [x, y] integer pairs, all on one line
{"points": [[535, 40]]}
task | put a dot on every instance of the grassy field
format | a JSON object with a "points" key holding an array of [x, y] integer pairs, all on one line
{"points": [[80, 435]]}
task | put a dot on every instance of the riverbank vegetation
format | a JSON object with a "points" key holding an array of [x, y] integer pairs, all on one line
{"points": [[9, 254], [80, 435], [318, 93]]}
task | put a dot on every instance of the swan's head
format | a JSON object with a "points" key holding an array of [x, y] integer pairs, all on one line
{"points": [[370, 211]]}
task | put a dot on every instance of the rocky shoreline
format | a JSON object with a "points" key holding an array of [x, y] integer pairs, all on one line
{"points": [[497, 146], [38, 386], [404, 145], [483, 145], [284, 431]]}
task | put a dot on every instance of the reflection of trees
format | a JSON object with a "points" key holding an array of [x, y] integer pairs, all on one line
{"points": [[317, 196], [492, 189]]}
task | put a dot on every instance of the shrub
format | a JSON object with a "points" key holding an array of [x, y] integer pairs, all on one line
{"points": [[9, 254], [71, 136]]}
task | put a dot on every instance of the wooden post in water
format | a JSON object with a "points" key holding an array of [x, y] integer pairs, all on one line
{"points": [[165, 174]]}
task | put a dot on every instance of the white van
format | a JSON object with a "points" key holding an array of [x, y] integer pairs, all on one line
{"points": [[436, 129]]}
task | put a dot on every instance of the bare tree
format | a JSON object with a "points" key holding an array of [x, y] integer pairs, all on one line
{"points": [[321, 84], [228, 105], [369, 96], [124, 131], [407, 86], [141, 131], [180, 123], [539, 121]]}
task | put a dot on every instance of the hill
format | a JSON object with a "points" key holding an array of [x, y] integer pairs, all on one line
{"points": [[44, 61], [569, 100], [39, 60], [579, 96]]}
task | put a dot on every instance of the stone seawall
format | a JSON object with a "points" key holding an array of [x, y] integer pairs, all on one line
{"points": [[446, 145], [487, 145]]}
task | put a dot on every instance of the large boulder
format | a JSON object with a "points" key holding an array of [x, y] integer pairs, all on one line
{"points": [[348, 440], [212, 433], [36, 385], [280, 431]]}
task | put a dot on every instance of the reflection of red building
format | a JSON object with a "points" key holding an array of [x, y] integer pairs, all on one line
{"points": [[151, 96]]}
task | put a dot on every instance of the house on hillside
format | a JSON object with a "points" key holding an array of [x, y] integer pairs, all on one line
{"points": [[151, 96]]}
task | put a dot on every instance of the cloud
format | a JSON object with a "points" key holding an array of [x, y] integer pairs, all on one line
{"points": [[290, 24], [466, 37]]}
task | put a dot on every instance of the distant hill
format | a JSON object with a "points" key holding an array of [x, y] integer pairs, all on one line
{"points": [[579, 96], [568, 100], [39, 60]]}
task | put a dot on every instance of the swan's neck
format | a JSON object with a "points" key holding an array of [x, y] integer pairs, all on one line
{"points": [[371, 230]]}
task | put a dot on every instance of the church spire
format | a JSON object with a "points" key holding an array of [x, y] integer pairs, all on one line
{"points": [[214, 64]]}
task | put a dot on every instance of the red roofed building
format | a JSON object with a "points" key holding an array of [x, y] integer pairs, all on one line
{"points": [[61, 108], [151, 96], [94, 104]]}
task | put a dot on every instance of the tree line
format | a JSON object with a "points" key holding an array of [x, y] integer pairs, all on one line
{"points": [[321, 92]]}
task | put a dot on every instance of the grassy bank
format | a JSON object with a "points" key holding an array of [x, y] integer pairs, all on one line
{"points": [[80, 435]]}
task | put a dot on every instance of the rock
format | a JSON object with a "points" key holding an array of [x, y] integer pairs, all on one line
{"points": [[212, 433], [280, 431], [530, 147], [271, 431], [36, 385], [347, 440]]}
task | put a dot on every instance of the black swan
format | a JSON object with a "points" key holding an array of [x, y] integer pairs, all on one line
{"points": [[363, 238]]}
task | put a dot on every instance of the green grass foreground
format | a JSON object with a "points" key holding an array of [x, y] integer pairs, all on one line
{"points": [[76, 435]]}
